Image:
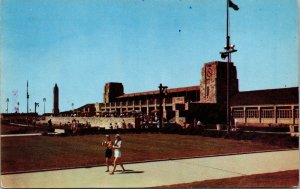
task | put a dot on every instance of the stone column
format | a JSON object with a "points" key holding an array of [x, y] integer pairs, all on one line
{"points": [[147, 105], [259, 113], [293, 114], [245, 115], [275, 114]]}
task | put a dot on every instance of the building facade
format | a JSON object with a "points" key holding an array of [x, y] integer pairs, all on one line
{"points": [[266, 107], [207, 101]]}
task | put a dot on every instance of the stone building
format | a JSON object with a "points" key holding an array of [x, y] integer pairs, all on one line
{"points": [[207, 101]]}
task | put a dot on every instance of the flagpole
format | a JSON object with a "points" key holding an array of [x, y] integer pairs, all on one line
{"points": [[227, 54], [227, 28], [227, 68]]}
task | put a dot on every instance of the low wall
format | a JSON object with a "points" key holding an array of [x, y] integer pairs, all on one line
{"points": [[94, 121]]}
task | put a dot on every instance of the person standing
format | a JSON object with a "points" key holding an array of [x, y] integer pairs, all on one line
{"points": [[123, 124], [108, 151], [199, 124], [50, 123], [117, 154]]}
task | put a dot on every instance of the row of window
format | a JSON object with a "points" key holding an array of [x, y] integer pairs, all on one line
{"points": [[137, 102], [265, 113]]}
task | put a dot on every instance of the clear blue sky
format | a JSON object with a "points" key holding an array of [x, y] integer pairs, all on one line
{"points": [[81, 45]]}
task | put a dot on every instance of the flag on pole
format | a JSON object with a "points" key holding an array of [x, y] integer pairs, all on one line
{"points": [[232, 5]]}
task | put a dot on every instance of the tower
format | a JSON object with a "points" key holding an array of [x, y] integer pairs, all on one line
{"points": [[213, 85], [111, 91], [55, 100]]}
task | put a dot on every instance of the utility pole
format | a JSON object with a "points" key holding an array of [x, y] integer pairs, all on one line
{"points": [[18, 107], [7, 101], [162, 91]]}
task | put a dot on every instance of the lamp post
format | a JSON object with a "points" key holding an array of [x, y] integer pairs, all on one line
{"points": [[44, 100], [72, 108], [162, 92], [7, 101], [18, 103]]}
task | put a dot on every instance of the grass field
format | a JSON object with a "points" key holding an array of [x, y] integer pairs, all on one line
{"points": [[45, 152], [284, 179], [11, 129]]}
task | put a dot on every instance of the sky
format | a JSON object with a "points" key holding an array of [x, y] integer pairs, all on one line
{"points": [[83, 44]]}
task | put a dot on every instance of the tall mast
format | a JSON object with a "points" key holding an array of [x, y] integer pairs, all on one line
{"points": [[27, 98], [227, 54]]}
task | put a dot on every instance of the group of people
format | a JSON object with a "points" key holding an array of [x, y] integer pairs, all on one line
{"points": [[123, 125], [113, 148]]}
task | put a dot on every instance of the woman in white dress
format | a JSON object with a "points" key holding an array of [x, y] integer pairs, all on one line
{"points": [[117, 154]]}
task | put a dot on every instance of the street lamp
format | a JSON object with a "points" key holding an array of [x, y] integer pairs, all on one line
{"points": [[162, 92], [44, 100], [18, 103], [7, 101], [72, 108]]}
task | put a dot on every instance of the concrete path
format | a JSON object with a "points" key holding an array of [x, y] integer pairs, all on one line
{"points": [[21, 135], [159, 173]]}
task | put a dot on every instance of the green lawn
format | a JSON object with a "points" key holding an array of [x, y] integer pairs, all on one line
{"points": [[45, 152], [13, 129]]}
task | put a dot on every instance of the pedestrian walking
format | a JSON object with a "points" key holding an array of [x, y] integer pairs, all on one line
{"points": [[108, 151], [117, 154]]}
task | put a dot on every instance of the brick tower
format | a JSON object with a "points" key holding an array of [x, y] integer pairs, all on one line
{"points": [[111, 91], [213, 85]]}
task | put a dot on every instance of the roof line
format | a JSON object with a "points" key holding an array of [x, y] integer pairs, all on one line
{"points": [[267, 89]]}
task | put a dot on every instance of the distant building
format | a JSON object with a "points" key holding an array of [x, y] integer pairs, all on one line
{"points": [[207, 101], [55, 100]]}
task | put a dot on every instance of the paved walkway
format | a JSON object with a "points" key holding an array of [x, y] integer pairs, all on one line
{"points": [[159, 173], [21, 135]]}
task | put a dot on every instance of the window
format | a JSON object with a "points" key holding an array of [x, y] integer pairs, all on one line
{"points": [[296, 113], [284, 113], [207, 91], [238, 113], [136, 102], [267, 113], [151, 101], [252, 113], [130, 102]]}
